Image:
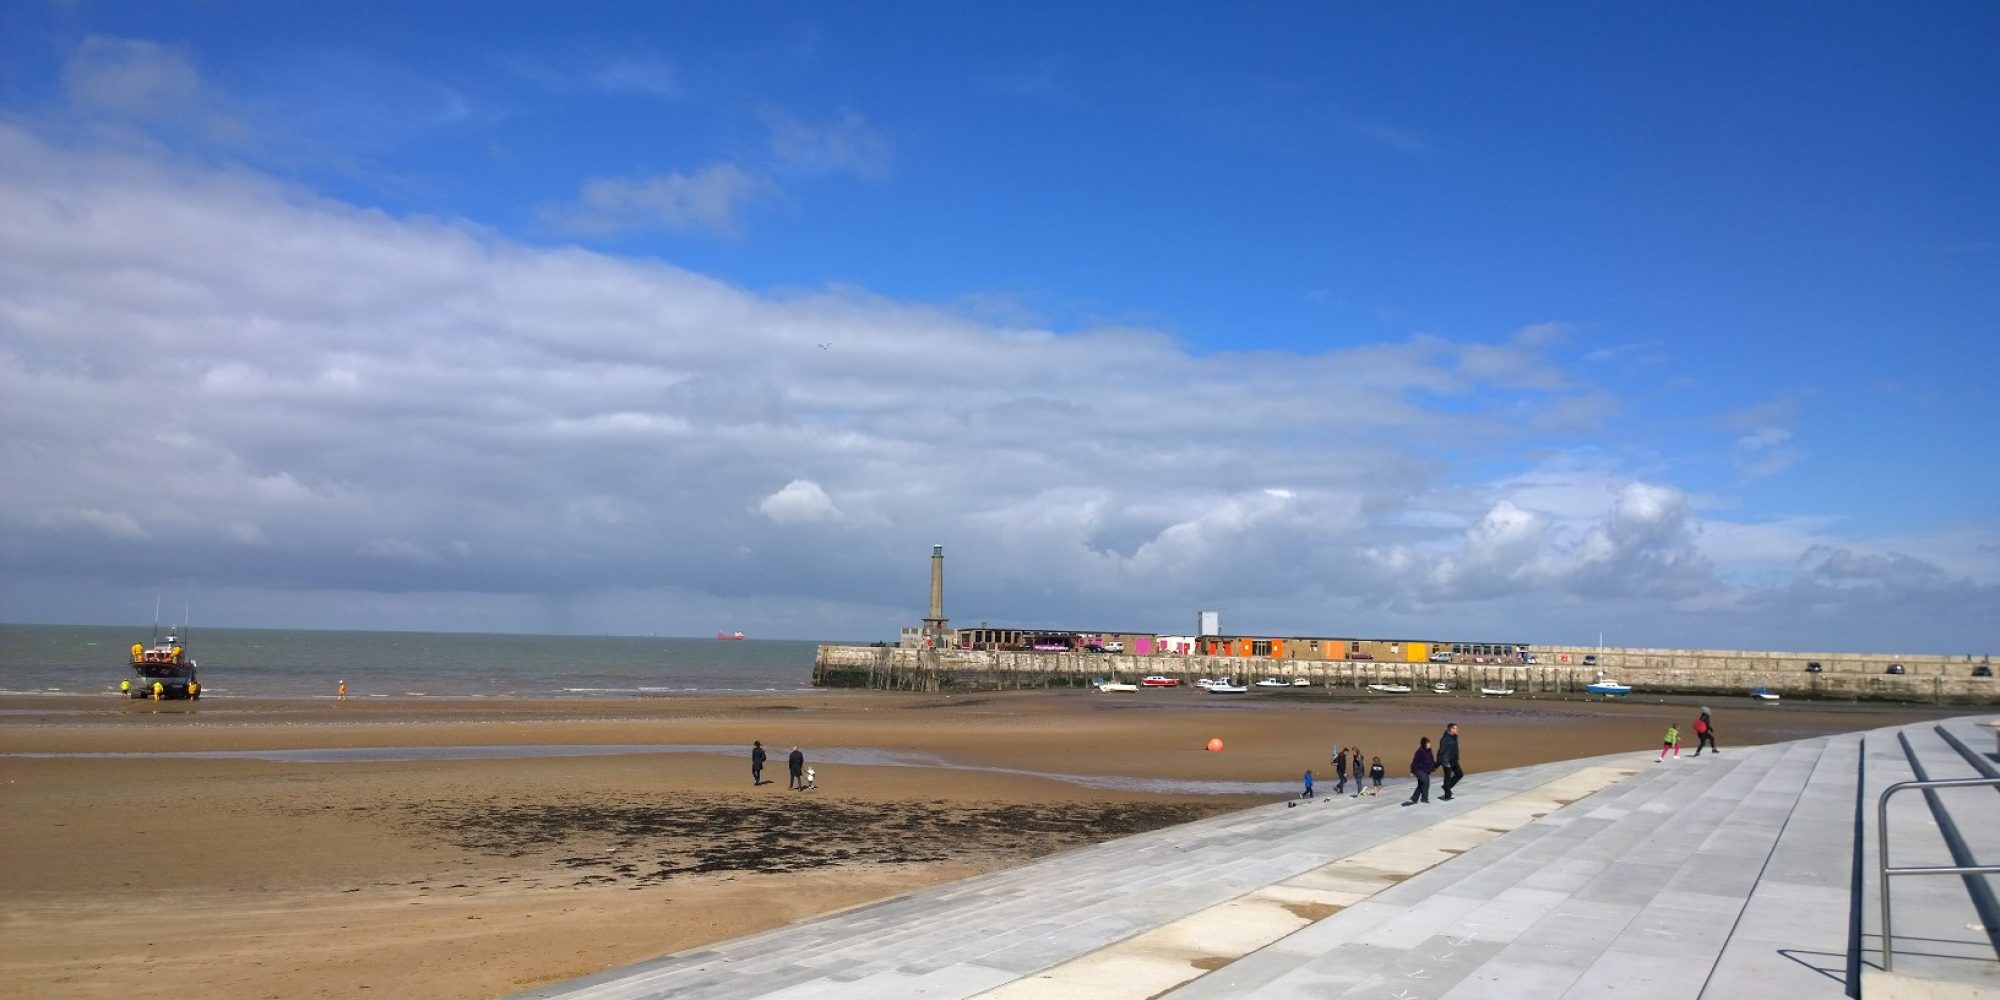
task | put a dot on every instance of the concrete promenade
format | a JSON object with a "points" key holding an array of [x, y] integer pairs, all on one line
{"points": [[1749, 873]]}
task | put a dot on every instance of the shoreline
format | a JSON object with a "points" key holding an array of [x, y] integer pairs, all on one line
{"points": [[482, 877]]}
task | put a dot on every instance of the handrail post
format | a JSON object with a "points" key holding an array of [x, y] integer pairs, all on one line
{"points": [[1882, 849], [1882, 869]]}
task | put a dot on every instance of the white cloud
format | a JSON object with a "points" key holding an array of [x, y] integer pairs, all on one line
{"points": [[800, 502], [709, 198], [132, 77], [288, 395], [637, 76], [844, 144], [1767, 447]]}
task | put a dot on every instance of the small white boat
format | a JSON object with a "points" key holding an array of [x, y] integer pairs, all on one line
{"points": [[1226, 686], [1205, 683], [1487, 692], [1273, 682], [1440, 687], [1110, 687], [1389, 688], [1300, 682], [1609, 689], [1764, 694]]}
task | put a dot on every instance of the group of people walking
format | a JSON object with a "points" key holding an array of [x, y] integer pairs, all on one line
{"points": [[802, 776], [1427, 761], [1444, 760], [1368, 771], [1704, 730], [1345, 758]]}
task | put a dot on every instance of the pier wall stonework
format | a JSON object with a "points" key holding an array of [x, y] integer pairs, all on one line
{"points": [[1842, 677]]}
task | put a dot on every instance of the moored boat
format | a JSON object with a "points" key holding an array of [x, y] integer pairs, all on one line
{"points": [[1226, 686], [1487, 692], [1609, 689], [1440, 687], [1389, 688], [1273, 682], [1764, 694], [1112, 686], [1159, 681], [1301, 682]]}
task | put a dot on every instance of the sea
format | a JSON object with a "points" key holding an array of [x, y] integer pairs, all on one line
{"points": [[306, 663]]}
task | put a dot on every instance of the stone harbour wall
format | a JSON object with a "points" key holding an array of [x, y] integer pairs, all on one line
{"points": [[1842, 676]]}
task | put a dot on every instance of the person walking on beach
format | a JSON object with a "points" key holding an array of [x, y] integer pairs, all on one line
{"points": [[1704, 731], [1376, 772], [1671, 741], [1340, 771], [1421, 766], [757, 758], [798, 765], [1308, 793], [1448, 760]]}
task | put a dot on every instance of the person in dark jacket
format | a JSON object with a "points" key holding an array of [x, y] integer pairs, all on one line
{"points": [[1340, 771], [1704, 728], [757, 758], [1448, 760], [1421, 767], [798, 764]]}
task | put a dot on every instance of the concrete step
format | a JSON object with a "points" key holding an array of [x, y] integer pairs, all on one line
{"points": [[1535, 907]]}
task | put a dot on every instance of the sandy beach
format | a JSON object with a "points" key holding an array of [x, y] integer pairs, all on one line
{"points": [[137, 875]]}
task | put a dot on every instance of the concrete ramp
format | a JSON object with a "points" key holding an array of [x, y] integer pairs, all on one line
{"points": [[1742, 874]]}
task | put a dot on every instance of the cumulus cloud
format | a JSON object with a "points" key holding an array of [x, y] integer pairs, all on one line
{"points": [[801, 501], [212, 374]]}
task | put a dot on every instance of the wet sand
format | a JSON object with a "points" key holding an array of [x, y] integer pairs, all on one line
{"points": [[156, 875]]}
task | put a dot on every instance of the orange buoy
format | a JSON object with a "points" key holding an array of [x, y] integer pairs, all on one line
{"points": [[1215, 745]]}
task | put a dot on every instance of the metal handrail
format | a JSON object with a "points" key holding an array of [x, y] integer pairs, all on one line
{"points": [[1882, 849]]}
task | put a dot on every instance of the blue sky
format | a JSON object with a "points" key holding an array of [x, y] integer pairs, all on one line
{"points": [[1671, 323]]}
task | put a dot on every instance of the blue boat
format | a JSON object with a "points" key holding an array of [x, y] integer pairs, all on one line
{"points": [[1608, 688]]}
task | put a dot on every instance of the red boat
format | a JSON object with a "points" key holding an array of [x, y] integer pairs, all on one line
{"points": [[1157, 681], [729, 635]]}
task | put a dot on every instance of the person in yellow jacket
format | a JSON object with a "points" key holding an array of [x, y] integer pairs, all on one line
{"points": [[1671, 741]]}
